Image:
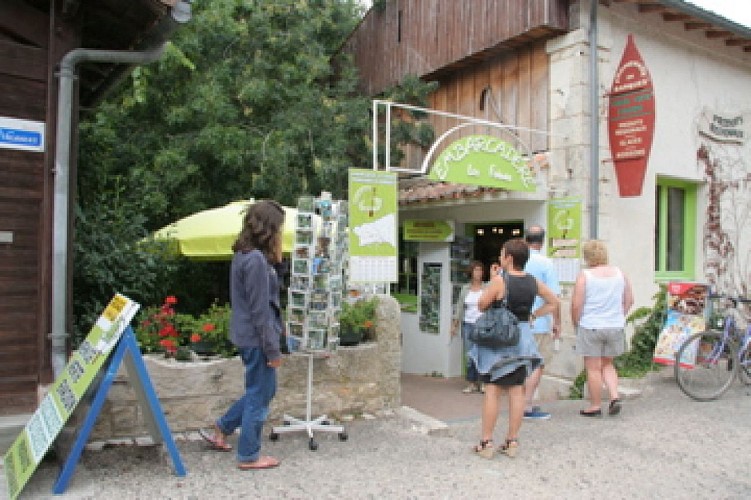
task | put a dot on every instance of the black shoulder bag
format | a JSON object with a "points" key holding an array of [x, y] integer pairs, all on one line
{"points": [[497, 327]]}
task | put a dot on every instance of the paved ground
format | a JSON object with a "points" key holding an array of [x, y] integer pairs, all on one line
{"points": [[663, 445]]}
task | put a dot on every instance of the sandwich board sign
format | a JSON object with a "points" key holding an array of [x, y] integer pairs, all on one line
{"points": [[107, 334]]}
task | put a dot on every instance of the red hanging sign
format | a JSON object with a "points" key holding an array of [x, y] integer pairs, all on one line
{"points": [[631, 120]]}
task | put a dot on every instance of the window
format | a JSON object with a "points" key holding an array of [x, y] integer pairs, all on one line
{"points": [[675, 229]]}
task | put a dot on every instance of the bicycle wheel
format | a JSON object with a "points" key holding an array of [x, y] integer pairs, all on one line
{"points": [[714, 370], [744, 368]]}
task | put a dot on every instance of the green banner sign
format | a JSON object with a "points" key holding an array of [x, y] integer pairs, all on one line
{"points": [[482, 160], [564, 228], [45, 424], [373, 224], [428, 230]]}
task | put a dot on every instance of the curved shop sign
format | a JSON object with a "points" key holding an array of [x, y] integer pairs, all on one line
{"points": [[482, 160], [631, 120]]}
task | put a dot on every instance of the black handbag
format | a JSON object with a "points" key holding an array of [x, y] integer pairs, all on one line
{"points": [[497, 326]]}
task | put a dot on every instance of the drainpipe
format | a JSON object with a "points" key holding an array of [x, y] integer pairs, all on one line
{"points": [[594, 127], [62, 187], [180, 14]]}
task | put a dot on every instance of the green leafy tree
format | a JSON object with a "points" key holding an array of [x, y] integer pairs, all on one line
{"points": [[245, 102]]}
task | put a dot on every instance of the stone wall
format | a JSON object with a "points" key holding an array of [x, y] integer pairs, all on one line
{"points": [[352, 381]]}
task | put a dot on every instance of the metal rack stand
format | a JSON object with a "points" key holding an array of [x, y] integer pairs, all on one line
{"points": [[322, 424]]}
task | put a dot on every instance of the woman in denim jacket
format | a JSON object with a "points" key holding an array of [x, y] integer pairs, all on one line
{"points": [[504, 369]]}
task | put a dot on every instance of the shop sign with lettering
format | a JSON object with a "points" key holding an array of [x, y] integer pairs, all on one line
{"points": [[482, 160], [631, 120], [730, 128]]}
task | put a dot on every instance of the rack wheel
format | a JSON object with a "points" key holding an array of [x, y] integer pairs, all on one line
{"points": [[343, 436], [312, 444], [273, 436]]}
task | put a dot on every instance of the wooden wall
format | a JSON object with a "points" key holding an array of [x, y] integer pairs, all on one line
{"points": [[431, 37], [27, 91], [518, 82]]}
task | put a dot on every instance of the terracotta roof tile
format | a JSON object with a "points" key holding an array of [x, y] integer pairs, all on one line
{"points": [[414, 191]]}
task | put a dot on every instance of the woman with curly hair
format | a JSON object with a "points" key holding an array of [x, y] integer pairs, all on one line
{"points": [[255, 327]]}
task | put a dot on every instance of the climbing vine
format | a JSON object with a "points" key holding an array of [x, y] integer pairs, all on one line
{"points": [[726, 253]]}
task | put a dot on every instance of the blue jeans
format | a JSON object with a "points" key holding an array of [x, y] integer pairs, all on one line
{"points": [[471, 375], [251, 410]]}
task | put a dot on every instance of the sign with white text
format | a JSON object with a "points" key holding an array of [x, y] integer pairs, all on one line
{"points": [[22, 135]]}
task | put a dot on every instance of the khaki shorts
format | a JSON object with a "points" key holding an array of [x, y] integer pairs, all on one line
{"points": [[600, 342]]}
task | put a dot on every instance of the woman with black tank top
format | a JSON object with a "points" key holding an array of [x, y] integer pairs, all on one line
{"points": [[503, 370]]}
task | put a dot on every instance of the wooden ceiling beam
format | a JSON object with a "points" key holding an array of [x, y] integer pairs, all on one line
{"points": [[737, 42], [674, 16], [646, 8], [714, 34], [696, 25]]}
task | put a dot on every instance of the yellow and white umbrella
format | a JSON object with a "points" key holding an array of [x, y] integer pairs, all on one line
{"points": [[209, 234]]}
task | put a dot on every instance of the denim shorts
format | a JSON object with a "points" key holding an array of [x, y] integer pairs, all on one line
{"points": [[600, 342]]}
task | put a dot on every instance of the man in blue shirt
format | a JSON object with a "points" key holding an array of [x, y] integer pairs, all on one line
{"points": [[546, 327]]}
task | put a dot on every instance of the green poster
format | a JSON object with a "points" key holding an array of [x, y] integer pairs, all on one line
{"points": [[564, 227], [40, 432], [373, 225], [564, 237], [482, 160]]}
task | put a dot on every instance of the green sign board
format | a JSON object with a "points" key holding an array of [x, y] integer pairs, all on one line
{"points": [[564, 228], [373, 224], [45, 424], [428, 230], [482, 160]]}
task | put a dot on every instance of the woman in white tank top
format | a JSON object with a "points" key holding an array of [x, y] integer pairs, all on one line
{"points": [[602, 297]]}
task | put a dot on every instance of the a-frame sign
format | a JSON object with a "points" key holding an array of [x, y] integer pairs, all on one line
{"points": [[112, 331]]}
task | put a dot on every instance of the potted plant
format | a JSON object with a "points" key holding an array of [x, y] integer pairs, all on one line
{"points": [[357, 321], [161, 329]]}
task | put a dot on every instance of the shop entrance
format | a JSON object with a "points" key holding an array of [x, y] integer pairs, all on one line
{"points": [[488, 239]]}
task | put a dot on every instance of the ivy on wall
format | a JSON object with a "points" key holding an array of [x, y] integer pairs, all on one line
{"points": [[727, 258]]}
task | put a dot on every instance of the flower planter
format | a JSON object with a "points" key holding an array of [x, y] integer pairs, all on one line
{"points": [[350, 337]]}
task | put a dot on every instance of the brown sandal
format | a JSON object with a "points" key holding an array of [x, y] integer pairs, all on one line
{"points": [[509, 448], [485, 448]]}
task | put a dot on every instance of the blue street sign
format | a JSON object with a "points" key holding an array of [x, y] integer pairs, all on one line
{"points": [[22, 135]]}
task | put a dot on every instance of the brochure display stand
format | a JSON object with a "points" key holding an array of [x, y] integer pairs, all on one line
{"points": [[315, 297]]}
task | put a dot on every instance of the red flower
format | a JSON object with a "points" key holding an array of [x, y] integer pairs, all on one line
{"points": [[208, 327], [195, 338], [171, 300], [168, 331], [168, 344]]}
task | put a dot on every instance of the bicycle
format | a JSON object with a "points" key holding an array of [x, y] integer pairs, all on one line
{"points": [[721, 354]]}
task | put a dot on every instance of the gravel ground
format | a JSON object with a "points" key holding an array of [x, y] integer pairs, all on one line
{"points": [[663, 445]]}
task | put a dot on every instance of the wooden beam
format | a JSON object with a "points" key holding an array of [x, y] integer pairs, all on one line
{"points": [[737, 42], [650, 7], [718, 34], [696, 25], [24, 23], [673, 16]]}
